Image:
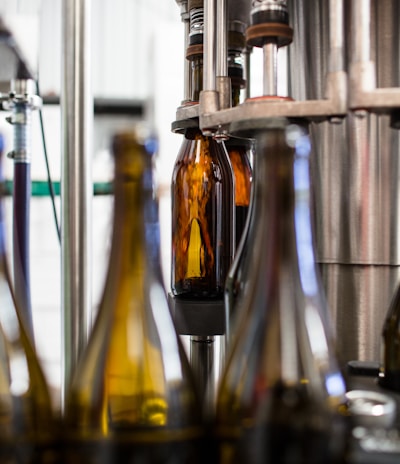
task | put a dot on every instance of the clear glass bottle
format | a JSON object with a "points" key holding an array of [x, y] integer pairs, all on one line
{"points": [[236, 282], [389, 375], [27, 423], [282, 396], [132, 397]]}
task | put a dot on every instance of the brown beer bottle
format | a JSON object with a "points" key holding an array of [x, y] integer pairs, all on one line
{"points": [[132, 397], [202, 196]]}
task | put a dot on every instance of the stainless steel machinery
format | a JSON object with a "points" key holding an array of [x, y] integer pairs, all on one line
{"points": [[343, 66]]}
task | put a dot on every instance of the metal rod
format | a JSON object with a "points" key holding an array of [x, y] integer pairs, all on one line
{"points": [[336, 34], [187, 83], [222, 51], [361, 30], [209, 68], [270, 84], [185, 17], [247, 66], [76, 118], [202, 360]]}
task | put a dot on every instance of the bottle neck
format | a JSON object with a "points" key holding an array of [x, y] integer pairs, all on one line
{"points": [[282, 205], [128, 235]]}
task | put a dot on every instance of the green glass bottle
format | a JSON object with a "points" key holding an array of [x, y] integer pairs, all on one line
{"points": [[132, 397]]}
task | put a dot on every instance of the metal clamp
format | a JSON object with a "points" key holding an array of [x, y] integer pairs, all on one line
{"points": [[21, 101]]}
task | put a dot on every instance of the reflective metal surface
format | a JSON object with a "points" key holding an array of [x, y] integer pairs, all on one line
{"points": [[355, 177], [77, 112]]}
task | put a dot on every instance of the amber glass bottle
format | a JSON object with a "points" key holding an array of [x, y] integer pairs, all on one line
{"points": [[27, 425], [281, 395], [389, 376], [202, 217], [202, 197], [132, 397], [240, 153]]}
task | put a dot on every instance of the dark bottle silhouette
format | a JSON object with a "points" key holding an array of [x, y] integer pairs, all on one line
{"points": [[281, 395]]}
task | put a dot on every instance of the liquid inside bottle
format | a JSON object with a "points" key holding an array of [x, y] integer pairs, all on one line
{"points": [[202, 218], [282, 396], [239, 151], [133, 398]]}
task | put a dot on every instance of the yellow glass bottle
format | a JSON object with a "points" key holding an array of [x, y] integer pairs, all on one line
{"points": [[27, 423], [132, 397]]}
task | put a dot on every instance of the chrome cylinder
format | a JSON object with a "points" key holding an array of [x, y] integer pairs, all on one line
{"points": [[355, 172], [221, 33], [187, 91], [270, 82], [209, 68], [76, 128]]}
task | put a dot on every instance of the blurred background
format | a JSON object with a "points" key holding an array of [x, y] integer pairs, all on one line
{"points": [[136, 75]]}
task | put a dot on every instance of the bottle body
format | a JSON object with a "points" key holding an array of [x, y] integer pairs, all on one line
{"points": [[238, 152], [202, 194], [281, 393], [132, 398]]}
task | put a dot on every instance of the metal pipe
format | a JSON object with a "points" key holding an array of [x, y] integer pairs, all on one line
{"points": [[361, 21], [21, 120], [76, 119], [202, 359], [336, 35], [247, 66], [187, 75], [222, 51], [270, 83], [209, 68], [187, 92]]}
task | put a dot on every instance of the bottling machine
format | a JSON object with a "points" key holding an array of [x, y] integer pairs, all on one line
{"points": [[343, 76]]}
